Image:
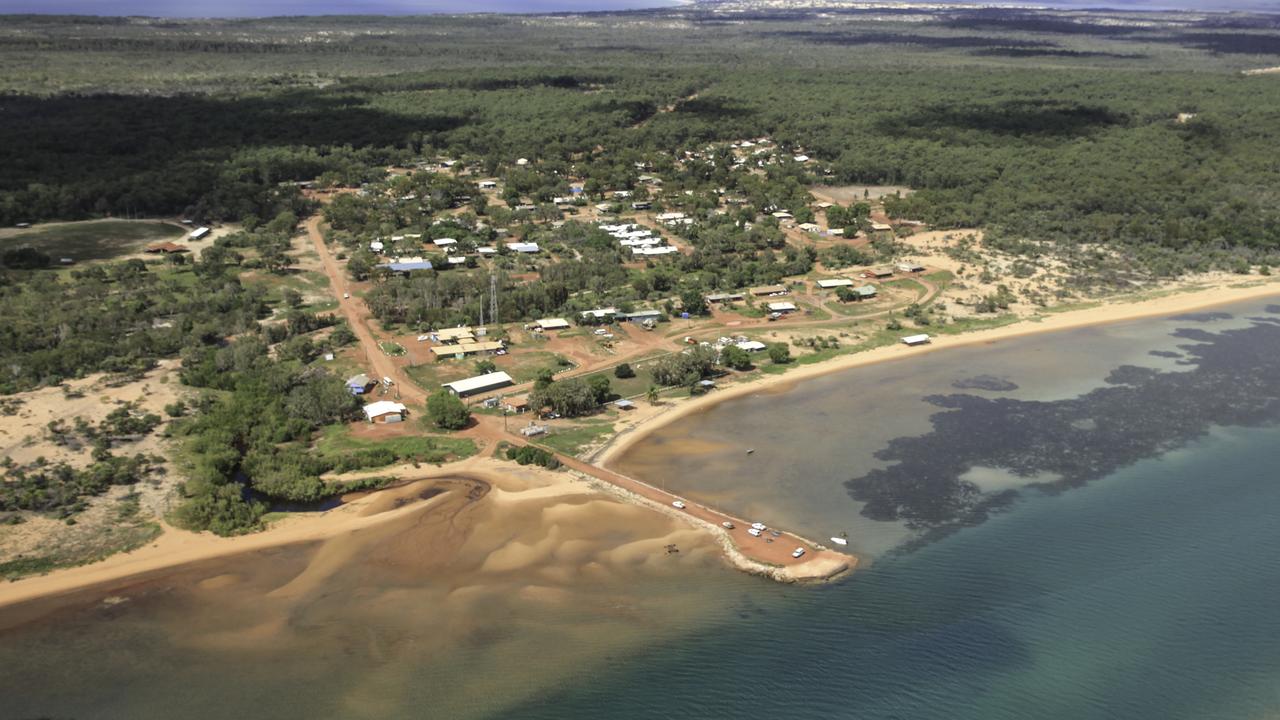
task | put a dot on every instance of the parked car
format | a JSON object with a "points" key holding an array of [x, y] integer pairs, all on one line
{"points": [[678, 504]]}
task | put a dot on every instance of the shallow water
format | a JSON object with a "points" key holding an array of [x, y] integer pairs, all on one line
{"points": [[1133, 576]]}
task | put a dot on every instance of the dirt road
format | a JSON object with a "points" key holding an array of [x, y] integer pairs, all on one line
{"points": [[353, 308]]}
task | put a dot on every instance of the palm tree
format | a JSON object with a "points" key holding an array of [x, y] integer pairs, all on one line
{"points": [[652, 395]]}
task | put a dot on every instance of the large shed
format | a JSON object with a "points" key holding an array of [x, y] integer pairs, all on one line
{"points": [[384, 411], [479, 384]]}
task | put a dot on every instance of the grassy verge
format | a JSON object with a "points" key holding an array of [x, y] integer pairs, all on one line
{"points": [[571, 440], [337, 441]]}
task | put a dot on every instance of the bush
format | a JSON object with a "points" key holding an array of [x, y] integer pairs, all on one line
{"points": [[447, 412], [529, 455], [779, 354], [624, 371]]}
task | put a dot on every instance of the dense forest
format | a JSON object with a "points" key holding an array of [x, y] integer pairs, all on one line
{"points": [[1038, 126]]}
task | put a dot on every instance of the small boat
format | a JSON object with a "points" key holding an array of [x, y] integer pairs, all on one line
{"points": [[727, 525], [750, 450], [839, 541], [797, 553], [753, 532]]}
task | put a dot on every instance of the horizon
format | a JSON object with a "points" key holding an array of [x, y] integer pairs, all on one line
{"points": [[267, 9]]}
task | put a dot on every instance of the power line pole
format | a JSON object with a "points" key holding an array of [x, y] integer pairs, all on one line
{"points": [[493, 298]]}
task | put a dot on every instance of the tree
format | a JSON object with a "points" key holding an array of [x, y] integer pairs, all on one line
{"points": [[779, 354], [652, 395], [485, 367], [624, 371], [735, 357], [570, 398], [692, 302], [600, 387], [446, 411], [545, 377]]}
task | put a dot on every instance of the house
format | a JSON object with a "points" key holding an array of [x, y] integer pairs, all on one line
{"points": [[359, 384], [455, 335], [517, 404], [655, 250], [642, 205], [376, 246], [479, 384], [199, 233], [866, 292], [167, 248], [465, 348], [880, 227], [783, 215], [767, 290], [801, 158], [832, 283], [522, 162], [487, 184], [910, 267], [527, 248], [751, 345], [487, 250], [551, 324], [782, 307], [599, 313], [724, 297], [407, 265], [914, 340], [444, 242], [384, 411], [641, 316], [624, 404], [809, 227], [877, 272]]}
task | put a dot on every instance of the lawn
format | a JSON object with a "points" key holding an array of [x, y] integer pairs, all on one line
{"points": [[394, 349], [93, 239], [522, 366], [571, 440], [336, 441]]}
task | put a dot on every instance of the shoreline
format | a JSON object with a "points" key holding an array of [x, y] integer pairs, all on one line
{"points": [[177, 547], [1114, 310]]}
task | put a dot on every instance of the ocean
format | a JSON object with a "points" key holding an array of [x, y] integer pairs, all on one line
{"points": [[1071, 525]]}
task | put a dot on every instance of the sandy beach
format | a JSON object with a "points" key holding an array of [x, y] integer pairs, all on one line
{"points": [[505, 481], [1110, 311]]}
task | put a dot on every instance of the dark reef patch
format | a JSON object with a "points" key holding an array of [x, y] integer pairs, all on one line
{"points": [[1141, 413], [1202, 317], [985, 382], [1165, 354]]}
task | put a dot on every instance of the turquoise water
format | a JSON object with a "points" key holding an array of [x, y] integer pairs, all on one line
{"points": [[1151, 594], [1129, 570]]}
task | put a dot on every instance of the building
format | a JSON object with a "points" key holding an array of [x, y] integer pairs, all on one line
{"points": [[167, 248], [880, 227], [532, 430], [832, 283], [479, 384], [407, 265], [877, 272], [866, 292], [624, 404], [724, 297], [455, 335], [552, 324], [913, 340], [467, 348], [199, 233], [444, 242], [517, 404], [487, 250], [385, 411], [487, 184], [641, 316], [910, 267], [599, 313], [654, 250], [751, 345], [767, 290], [359, 384], [808, 227], [782, 307], [527, 248]]}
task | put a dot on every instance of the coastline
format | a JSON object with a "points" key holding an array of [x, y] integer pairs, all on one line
{"points": [[177, 547], [1113, 310]]}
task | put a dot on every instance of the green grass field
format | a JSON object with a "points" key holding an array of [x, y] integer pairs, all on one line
{"points": [[93, 239], [521, 366], [336, 440]]}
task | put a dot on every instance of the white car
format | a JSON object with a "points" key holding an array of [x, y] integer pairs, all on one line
{"points": [[753, 532], [797, 553], [757, 526], [678, 504], [346, 296], [727, 525]]}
